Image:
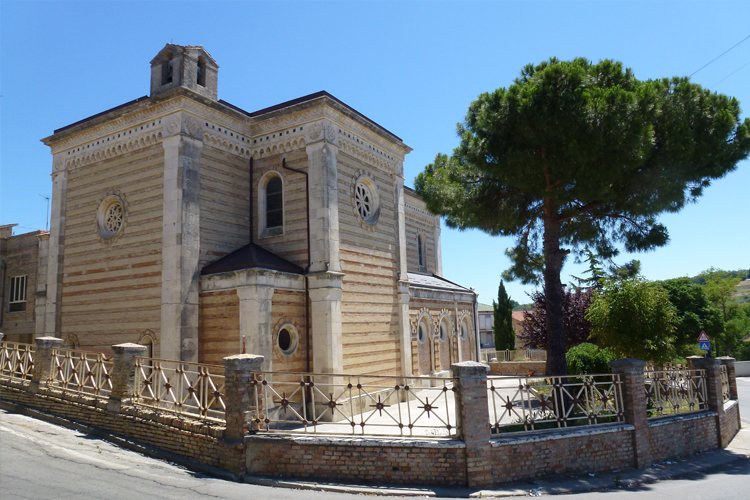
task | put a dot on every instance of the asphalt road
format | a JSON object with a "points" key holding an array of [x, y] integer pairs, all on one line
{"points": [[39, 460]]}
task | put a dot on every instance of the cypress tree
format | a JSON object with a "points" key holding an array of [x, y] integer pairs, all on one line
{"points": [[505, 337]]}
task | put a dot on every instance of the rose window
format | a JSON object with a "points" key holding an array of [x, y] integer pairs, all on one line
{"points": [[110, 218], [366, 200]]}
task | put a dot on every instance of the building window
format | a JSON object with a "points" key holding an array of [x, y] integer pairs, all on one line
{"points": [[287, 339], [422, 332], [271, 205], [443, 331], [167, 67], [17, 295], [421, 253], [366, 200], [110, 216], [464, 329], [201, 72]]}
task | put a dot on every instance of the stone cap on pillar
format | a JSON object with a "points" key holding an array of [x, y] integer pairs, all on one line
{"points": [[706, 363], [627, 365], [469, 369], [243, 362], [48, 341], [725, 360], [128, 347]]}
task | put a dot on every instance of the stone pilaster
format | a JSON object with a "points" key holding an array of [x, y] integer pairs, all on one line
{"points": [[256, 321], [180, 241], [322, 152], [239, 394], [40, 294], [42, 361], [634, 405], [123, 374], [472, 421], [403, 281], [56, 248], [729, 363], [438, 249], [325, 310]]}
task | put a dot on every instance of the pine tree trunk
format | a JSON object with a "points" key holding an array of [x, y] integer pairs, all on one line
{"points": [[553, 261]]}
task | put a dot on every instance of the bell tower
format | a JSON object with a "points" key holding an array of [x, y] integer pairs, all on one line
{"points": [[188, 66]]}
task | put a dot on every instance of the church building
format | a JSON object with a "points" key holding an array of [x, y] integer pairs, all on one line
{"points": [[201, 230]]}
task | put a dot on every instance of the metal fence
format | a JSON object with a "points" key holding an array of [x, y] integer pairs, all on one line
{"points": [[488, 355], [16, 360], [526, 404], [354, 404], [190, 389], [725, 392], [81, 372], [670, 392]]}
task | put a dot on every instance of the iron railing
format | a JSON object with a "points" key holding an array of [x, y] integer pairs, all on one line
{"points": [[81, 372], [354, 404], [16, 360], [671, 392], [526, 404], [189, 389], [725, 391]]}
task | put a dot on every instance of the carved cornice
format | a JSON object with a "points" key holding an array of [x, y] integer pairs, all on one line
{"points": [[418, 215]]}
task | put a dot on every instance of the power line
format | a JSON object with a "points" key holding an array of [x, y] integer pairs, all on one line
{"points": [[730, 74], [717, 57]]}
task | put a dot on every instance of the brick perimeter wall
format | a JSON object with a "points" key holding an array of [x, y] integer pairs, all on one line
{"points": [[730, 421], [187, 438], [520, 368], [391, 461], [577, 451], [677, 436]]}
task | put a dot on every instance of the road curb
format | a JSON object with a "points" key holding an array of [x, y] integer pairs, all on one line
{"points": [[122, 441]]}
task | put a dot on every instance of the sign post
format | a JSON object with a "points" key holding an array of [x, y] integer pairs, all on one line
{"points": [[704, 343]]}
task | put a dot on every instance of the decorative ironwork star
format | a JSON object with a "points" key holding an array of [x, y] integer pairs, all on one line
{"points": [[379, 406], [284, 402], [331, 403], [427, 407]]}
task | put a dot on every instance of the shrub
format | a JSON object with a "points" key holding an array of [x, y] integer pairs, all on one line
{"points": [[588, 358]]}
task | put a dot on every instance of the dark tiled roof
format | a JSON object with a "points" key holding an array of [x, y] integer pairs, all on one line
{"points": [[249, 257], [435, 281]]}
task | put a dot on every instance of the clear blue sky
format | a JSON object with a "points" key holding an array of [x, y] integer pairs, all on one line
{"points": [[413, 67]]}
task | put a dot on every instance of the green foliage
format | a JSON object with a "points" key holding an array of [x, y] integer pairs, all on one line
{"points": [[576, 155], [635, 319], [737, 326], [505, 336], [739, 273], [695, 313], [588, 358]]}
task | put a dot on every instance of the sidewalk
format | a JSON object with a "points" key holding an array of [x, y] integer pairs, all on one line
{"points": [[738, 449]]}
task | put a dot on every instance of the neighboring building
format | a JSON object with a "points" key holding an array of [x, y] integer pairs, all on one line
{"points": [[184, 223], [22, 258], [486, 315]]}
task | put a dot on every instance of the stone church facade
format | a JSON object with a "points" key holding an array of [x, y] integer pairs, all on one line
{"points": [[184, 223]]}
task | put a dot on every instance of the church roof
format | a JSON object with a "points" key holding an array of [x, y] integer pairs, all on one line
{"points": [[425, 280], [249, 257]]}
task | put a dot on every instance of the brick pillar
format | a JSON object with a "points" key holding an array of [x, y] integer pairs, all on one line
{"points": [[42, 360], [472, 418], [729, 363], [714, 397], [239, 395], [123, 374], [634, 405]]}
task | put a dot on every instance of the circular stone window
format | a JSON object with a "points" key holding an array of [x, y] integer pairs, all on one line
{"points": [[421, 335], [443, 332], [287, 339], [464, 329], [366, 200], [110, 216]]}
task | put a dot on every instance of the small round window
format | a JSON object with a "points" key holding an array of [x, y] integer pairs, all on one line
{"points": [[421, 334], [287, 339], [366, 200], [464, 329], [443, 332], [110, 216]]}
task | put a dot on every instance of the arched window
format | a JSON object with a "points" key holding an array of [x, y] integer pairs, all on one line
{"points": [[271, 205], [201, 72], [421, 253], [167, 69]]}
